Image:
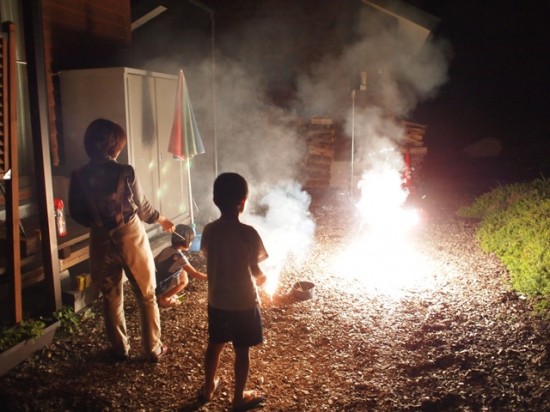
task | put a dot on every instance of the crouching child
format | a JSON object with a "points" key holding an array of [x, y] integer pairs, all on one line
{"points": [[173, 268]]}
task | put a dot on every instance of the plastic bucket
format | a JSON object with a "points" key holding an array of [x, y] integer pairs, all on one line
{"points": [[196, 243]]}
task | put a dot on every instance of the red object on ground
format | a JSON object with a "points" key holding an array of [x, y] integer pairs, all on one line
{"points": [[407, 173]]}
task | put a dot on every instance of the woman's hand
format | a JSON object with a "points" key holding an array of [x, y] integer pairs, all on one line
{"points": [[166, 224]]}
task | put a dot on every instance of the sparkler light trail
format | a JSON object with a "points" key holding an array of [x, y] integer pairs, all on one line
{"points": [[286, 229]]}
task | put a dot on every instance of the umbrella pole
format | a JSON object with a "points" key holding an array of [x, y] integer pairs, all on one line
{"points": [[191, 212], [352, 154]]}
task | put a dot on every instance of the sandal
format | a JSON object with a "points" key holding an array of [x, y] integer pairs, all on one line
{"points": [[171, 303], [253, 400], [155, 357]]}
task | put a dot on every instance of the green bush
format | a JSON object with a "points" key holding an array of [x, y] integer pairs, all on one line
{"points": [[29, 329], [503, 197], [515, 226]]}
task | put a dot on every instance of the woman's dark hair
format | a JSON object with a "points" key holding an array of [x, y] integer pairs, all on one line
{"points": [[229, 190], [104, 139]]}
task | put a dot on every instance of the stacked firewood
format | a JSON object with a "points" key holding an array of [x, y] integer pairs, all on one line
{"points": [[319, 134], [414, 133], [413, 142]]}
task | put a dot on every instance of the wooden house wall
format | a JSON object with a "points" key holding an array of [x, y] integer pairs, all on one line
{"points": [[81, 34]]}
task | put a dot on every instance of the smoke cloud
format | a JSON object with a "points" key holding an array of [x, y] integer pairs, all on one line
{"points": [[259, 140], [285, 226]]}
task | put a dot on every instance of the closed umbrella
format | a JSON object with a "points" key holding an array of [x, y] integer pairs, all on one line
{"points": [[185, 139]]}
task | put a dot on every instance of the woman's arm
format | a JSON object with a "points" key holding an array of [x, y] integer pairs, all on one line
{"points": [[146, 211]]}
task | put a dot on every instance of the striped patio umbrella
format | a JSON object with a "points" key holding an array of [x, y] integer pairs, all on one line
{"points": [[185, 139]]}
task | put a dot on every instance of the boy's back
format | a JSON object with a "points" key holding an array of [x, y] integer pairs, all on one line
{"points": [[231, 248], [233, 251]]}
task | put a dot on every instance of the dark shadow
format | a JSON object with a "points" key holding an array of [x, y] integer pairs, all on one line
{"points": [[190, 405]]}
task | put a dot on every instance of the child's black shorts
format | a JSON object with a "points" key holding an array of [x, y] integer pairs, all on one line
{"points": [[242, 327]]}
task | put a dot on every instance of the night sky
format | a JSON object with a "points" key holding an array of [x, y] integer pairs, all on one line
{"points": [[498, 76]]}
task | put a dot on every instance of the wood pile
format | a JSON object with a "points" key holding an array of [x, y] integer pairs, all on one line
{"points": [[319, 134], [414, 134], [413, 142]]}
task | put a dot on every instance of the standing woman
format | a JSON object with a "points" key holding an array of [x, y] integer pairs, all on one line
{"points": [[106, 196]]}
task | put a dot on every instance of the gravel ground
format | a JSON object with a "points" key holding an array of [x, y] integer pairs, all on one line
{"points": [[457, 339]]}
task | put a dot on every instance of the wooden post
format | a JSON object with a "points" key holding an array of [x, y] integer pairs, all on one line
{"points": [[38, 100], [10, 171]]}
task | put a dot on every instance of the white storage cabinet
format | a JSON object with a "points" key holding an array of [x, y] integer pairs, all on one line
{"points": [[143, 103]]}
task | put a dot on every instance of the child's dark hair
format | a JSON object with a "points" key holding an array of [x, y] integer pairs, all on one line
{"points": [[229, 191], [104, 139], [183, 236]]}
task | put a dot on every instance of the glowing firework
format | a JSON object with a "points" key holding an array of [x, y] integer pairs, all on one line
{"points": [[381, 255]]}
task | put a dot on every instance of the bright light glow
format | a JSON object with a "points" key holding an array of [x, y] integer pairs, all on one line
{"points": [[382, 198], [381, 255], [383, 262], [272, 282]]}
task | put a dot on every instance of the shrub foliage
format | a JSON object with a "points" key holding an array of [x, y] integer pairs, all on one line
{"points": [[515, 226]]}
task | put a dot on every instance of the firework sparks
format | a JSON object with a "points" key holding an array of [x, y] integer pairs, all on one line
{"points": [[382, 254]]}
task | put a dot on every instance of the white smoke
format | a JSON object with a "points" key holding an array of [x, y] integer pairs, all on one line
{"points": [[285, 226], [399, 74], [259, 140], [256, 138]]}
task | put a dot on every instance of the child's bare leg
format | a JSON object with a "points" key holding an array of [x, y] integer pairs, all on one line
{"points": [[211, 362], [165, 298], [175, 290], [242, 367]]}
